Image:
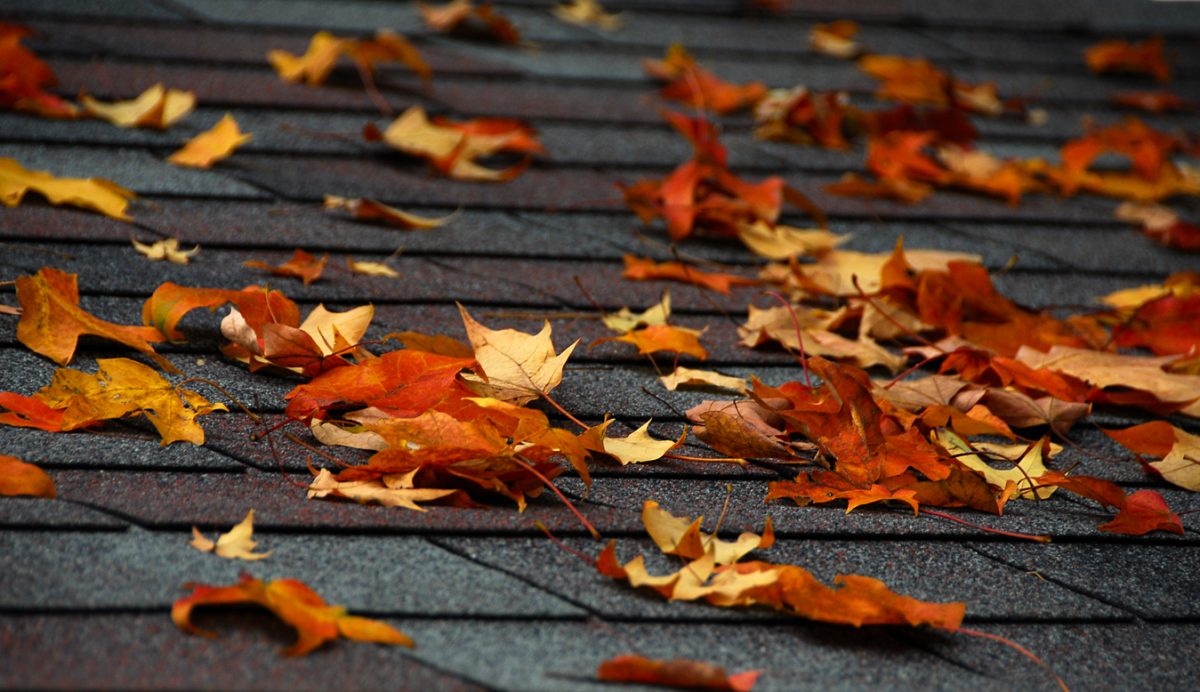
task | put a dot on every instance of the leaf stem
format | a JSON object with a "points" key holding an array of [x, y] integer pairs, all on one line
{"points": [[980, 527]]}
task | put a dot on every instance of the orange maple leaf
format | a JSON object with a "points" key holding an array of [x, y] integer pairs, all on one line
{"points": [[1118, 55], [646, 269], [302, 265], [209, 147]]}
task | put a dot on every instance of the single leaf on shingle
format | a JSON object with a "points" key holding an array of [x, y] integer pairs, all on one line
{"points": [[778, 242], [370, 210], [235, 544], [394, 490], [170, 302], [587, 13], [156, 107], [625, 319], [52, 321], [22, 478], [638, 447], [315, 65], [453, 148], [1118, 55], [96, 194], [209, 147], [372, 269], [165, 249], [1138, 513], [293, 602], [689, 377], [835, 39], [662, 338], [514, 366], [678, 672], [302, 265], [465, 16], [646, 269]]}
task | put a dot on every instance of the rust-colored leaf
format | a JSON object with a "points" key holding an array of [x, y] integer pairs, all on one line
{"points": [[209, 147], [294, 603], [659, 338], [22, 478], [1137, 514], [25, 78], [302, 265], [257, 305], [1154, 101], [467, 17], [454, 148], [52, 321], [1117, 55], [646, 269], [679, 672]]}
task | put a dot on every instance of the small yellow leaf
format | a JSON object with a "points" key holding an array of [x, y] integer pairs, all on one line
{"points": [[638, 446], [156, 107], [625, 320], [166, 249], [314, 66], [238, 543], [690, 377], [779, 242], [372, 269], [206, 148], [587, 13], [96, 194]]}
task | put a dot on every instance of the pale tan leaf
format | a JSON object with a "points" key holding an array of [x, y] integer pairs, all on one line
{"points": [[237, 543], [515, 367], [690, 377], [165, 249]]}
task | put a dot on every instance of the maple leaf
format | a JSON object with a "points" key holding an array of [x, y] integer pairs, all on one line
{"points": [[678, 672], [320, 343], [646, 269], [293, 602], [236, 544], [820, 487], [96, 194], [1179, 451], [370, 210], [682, 537], [1137, 514], [24, 78], [324, 49], [637, 447], [453, 148], [918, 81], [587, 13], [52, 321], [514, 366], [165, 249], [699, 88], [1117, 55], [625, 320], [835, 39], [22, 478], [389, 490], [660, 338], [209, 147], [1030, 466], [779, 242], [156, 107], [170, 302], [465, 16], [301, 266], [779, 324], [121, 387], [689, 377]]}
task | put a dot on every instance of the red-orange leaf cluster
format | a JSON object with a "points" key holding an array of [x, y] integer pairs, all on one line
{"points": [[24, 78], [697, 87]]}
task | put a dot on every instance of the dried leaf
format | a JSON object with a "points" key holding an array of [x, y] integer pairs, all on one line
{"points": [[587, 13], [465, 16], [388, 490], [97, 194], [209, 147], [301, 266], [1154, 101], [688, 377], [372, 269], [835, 39], [1117, 55], [370, 210], [22, 478], [699, 88], [156, 107], [1179, 449], [26, 78], [778, 324], [52, 321], [660, 338], [646, 269], [679, 672], [170, 302], [1023, 472], [165, 249], [625, 320], [1137, 514], [682, 537], [454, 148], [777, 242], [314, 66], [638, 447], [514, 366], [293, 602], [236, 544], [1162, 225]]}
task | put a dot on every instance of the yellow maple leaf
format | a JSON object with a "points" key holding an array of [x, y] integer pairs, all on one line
{"points": [[638, 447], [209, 147], [96, 194], [315, 65], [156, 107], [236, 544], [165, 249], [514, 366]]}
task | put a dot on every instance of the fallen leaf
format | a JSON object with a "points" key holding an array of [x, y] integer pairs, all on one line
{"points": [[777, 242], [514, 366], [638, 447], [156, 107], [465, 16], [1118, 55], [917, 81], [1138, 513], [52, 321], [120, 387], [293, 602], [646, 269], [387, 47], [301, 266], [26, 77], [209, 147], [779, 324], [372, 269], [22, 478], [324, 49], [96, 194], [744, 429], [678, 672], [587, 13], [394, 490], [1024, 471], [1162, 225], [688, 377], [165, 249], [370, 210], [454, 148], [236, 544], [660, 338], [1154, 101], [1179, 449], [699, 88], [170, 302], [682, 537], [835, 39], [801, 116]]}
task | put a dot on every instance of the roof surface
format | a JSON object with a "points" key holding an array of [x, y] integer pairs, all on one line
{"points": [[87, 580]]}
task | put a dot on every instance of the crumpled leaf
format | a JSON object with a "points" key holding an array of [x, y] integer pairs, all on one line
{"points": [[22, 478], [745, 429], [678, 672], [587, 13], [293, 602], [777, 242], [324, 49], [119, 388], [646, 269], [165, 249], [514, 366], [1117, 55], [1024, 471], [695, 86], [392, 490], [236, 544], [464, 16], [454, 148], [211, 146], [625, 320], [301, 266], [370, 210], [689, 377], [156, 107], [835, 39], [52, 321], [96, 194], [764, 325], [682, 537]]}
